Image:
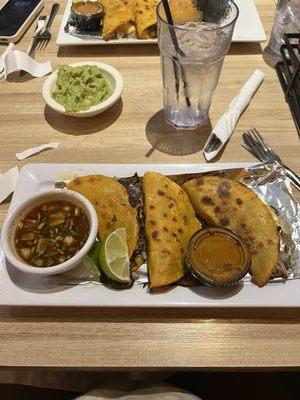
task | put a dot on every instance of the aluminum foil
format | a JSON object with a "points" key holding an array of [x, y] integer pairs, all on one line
{"points": [[271, 184], [72, 30]]}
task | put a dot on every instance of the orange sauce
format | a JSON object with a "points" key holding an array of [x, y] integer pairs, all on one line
{"points": [[87, 8], [218, 255]]}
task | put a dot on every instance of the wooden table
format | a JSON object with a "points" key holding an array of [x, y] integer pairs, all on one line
{"points": [[133, 132]]}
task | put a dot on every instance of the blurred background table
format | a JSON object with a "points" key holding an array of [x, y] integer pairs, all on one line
{"points": [[133, 131]]}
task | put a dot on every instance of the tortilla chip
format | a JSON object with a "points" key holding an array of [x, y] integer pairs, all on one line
{"points": [[170, 221], [145, 18], [116, 14], [226, 203], [111, 202]]}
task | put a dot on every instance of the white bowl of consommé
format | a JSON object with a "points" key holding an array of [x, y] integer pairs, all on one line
{"points": [[50, 232]]}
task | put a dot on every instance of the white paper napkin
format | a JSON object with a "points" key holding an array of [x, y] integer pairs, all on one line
{"points": [[14, 60], [227, 123], [30, 152], [8, 182]]}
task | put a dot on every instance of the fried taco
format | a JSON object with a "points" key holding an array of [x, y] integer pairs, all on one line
{"points": [[145, 18], [111, 201], [184, 11], [118, 19], [227, 203], [170, 221]]}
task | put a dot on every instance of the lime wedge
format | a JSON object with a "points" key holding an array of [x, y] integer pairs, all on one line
{"points": [[113, 256]]}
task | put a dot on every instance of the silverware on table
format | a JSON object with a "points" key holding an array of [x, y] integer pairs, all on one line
{"points": [[213, 144], [44, 38], [37, 30], [255, 143], [32, 45]]}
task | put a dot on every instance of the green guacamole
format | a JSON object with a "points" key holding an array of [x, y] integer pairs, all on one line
{"points": [[79, 88]]}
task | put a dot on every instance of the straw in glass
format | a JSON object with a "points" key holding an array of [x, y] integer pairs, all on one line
{"points": [[178, 51]]}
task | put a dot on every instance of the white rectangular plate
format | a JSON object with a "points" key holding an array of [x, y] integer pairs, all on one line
{"points": [[248, 28], [18, 289]]}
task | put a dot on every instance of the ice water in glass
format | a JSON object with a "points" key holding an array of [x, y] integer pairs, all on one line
{"points": [[191, 70]]}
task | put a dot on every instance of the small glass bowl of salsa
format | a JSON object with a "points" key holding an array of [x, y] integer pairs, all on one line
{"points": [[50, 232], [87, 15], [218, 257]]}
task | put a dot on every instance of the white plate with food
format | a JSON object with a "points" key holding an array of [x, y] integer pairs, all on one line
{"points": [[110, 195], [248, 28]]}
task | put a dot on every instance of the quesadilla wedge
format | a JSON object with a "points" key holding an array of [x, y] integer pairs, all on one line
{"points": [[170, 221], [227, 203], [111, 202]]}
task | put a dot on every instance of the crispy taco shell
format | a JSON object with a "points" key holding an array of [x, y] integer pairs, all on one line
{"points": [[227, 203], [145, 18], [118, 18], [170, 221], [111, 202], [184, 11]]}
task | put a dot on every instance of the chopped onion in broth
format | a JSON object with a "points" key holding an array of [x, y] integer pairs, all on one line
{"points": [[51, 233]]}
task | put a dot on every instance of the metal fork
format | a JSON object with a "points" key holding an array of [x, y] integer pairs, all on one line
{"points": [[39, 26], [32, 46], [44, 38], [254, 142]]}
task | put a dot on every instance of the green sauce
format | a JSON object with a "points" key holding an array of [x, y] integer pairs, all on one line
{"points": [[79, 88]]}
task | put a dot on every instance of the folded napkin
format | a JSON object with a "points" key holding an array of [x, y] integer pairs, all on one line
{"points": [[227, 123], [14, 60]]}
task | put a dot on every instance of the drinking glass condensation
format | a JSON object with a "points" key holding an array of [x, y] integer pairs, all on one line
{"points": [[287, 20], [190, 75]]}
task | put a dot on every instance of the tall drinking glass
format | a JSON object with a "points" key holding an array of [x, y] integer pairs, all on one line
{"points": [[191, 63], [286, 20]]}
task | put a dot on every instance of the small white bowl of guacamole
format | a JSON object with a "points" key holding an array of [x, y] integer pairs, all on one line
{"points": [[83, 89]]}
